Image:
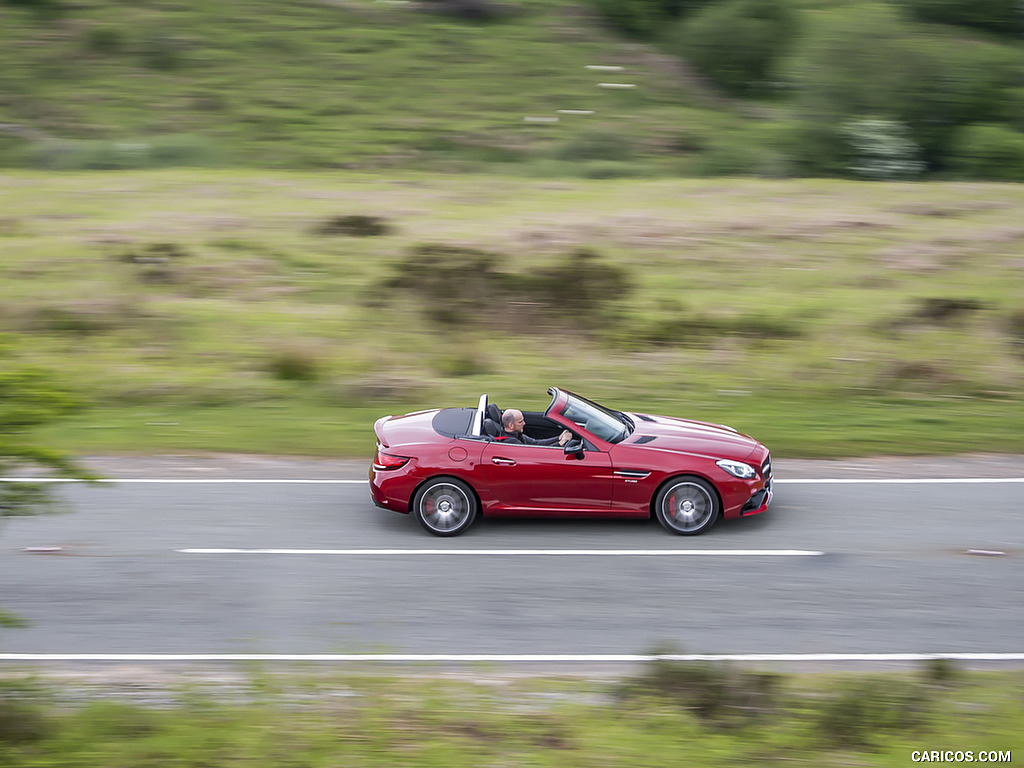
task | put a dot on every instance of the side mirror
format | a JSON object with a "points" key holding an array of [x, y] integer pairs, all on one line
{"points": [[574, 448]]}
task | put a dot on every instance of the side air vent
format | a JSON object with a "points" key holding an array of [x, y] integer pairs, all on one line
{"points": [[643, 439], [644, 417]]}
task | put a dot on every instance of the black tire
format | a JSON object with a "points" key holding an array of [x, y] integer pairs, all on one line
{"points": [[687, 505], [445, 506]]}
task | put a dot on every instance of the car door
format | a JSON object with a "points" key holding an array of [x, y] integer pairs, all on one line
{"points": [[545, 478]]}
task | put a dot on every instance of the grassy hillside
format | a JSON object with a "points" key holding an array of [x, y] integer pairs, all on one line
{"points": [[337, 85], [93, 84], [248, 311]]}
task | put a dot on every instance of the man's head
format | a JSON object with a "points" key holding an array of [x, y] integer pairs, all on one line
{"points": [[512, 420]]}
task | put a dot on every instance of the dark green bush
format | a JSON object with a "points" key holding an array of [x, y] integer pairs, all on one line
{"points": [[814, 148], [105, 40], [451, 283], [717, 693], [861, 711], [988, 152], [646, 18], [866, 61], [45, 9], [294, 363], [1000, 16], [738, 43], [1015, 328], [355, 225], [940, 672], [22, 717]]}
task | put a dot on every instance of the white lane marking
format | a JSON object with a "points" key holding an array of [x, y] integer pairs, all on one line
{"points": [[300, 481], [194, 480], [509, 657], [899, 481], [518, 552]]}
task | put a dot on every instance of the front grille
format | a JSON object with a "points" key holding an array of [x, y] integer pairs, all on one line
{"points": [[766, 468]]}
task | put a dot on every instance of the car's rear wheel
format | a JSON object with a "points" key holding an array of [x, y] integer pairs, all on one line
{"points": [[445, 506], [687, 506]]}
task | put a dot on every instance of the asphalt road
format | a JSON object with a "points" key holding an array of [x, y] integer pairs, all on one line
{"points": [[894, 577]]}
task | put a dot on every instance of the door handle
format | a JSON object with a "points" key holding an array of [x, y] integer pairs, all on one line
{"points": [[503, 462]]}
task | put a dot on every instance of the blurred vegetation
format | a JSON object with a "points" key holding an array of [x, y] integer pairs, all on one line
{"points": [[30, 396], [329, 719], [745, 87], [203, 310]]}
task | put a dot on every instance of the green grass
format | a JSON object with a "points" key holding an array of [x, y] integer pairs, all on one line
{"points": [[356, 84], [334, 720], [204, 310]]}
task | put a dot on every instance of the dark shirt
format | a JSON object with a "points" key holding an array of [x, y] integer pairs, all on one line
{"points": [[524, 439]]}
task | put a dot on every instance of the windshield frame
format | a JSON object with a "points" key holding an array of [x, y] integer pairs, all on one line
{"points": [[606, 417]]}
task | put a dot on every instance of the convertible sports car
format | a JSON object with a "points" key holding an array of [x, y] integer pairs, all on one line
{"points": [[447, 466]]}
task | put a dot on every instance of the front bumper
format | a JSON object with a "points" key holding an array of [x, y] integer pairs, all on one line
{"points": [[759, 500]]}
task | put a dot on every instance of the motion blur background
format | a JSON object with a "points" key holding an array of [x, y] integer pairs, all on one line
{"points": [[256, 226]]}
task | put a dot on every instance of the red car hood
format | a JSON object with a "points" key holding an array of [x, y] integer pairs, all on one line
{"points": [[687, 436]]}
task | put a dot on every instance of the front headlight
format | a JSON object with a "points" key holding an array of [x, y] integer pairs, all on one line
{"points": [[737, 469]]}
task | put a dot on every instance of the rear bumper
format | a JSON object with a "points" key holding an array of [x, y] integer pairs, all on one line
{"points": [[390, 490]]}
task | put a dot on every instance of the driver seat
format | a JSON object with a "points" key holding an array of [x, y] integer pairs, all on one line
{"points": [[492, 421]]}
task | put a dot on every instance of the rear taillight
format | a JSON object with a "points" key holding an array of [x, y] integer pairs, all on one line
{"points": [[383, 462]]}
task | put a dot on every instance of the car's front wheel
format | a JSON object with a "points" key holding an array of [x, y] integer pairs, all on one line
{"points": [[445, 506], [687, 506]]}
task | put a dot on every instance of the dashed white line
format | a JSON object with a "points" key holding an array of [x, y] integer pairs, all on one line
{"points": [[185, 480], [303, 481], [519, 552], [899, 480], [558, 658]]}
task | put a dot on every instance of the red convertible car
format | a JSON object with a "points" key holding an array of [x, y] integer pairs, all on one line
{"points": [[447, 466]]}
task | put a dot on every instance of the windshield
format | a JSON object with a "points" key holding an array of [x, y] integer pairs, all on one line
{"points": [[610, 426]]}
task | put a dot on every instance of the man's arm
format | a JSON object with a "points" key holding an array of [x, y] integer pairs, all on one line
{"points": [[532, 441]]}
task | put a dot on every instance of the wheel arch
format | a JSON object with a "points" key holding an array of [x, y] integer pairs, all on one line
{"points": [[446, 476], [681, 475]]}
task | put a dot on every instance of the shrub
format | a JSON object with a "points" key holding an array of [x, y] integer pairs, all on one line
{"points": [[813, 148], [1000, 16], [465, 361], [294, 363], [715, 692], [988, 152], [451, 282], [940, 310], [22, 718], [45, 9], [865, 60], [163, 52], [940, 671], [881, 149], [646, 18], [471, 10], [862, 710], [1015, 328], [105, 40], [355, 226], [84, 316], [738, 43]]}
